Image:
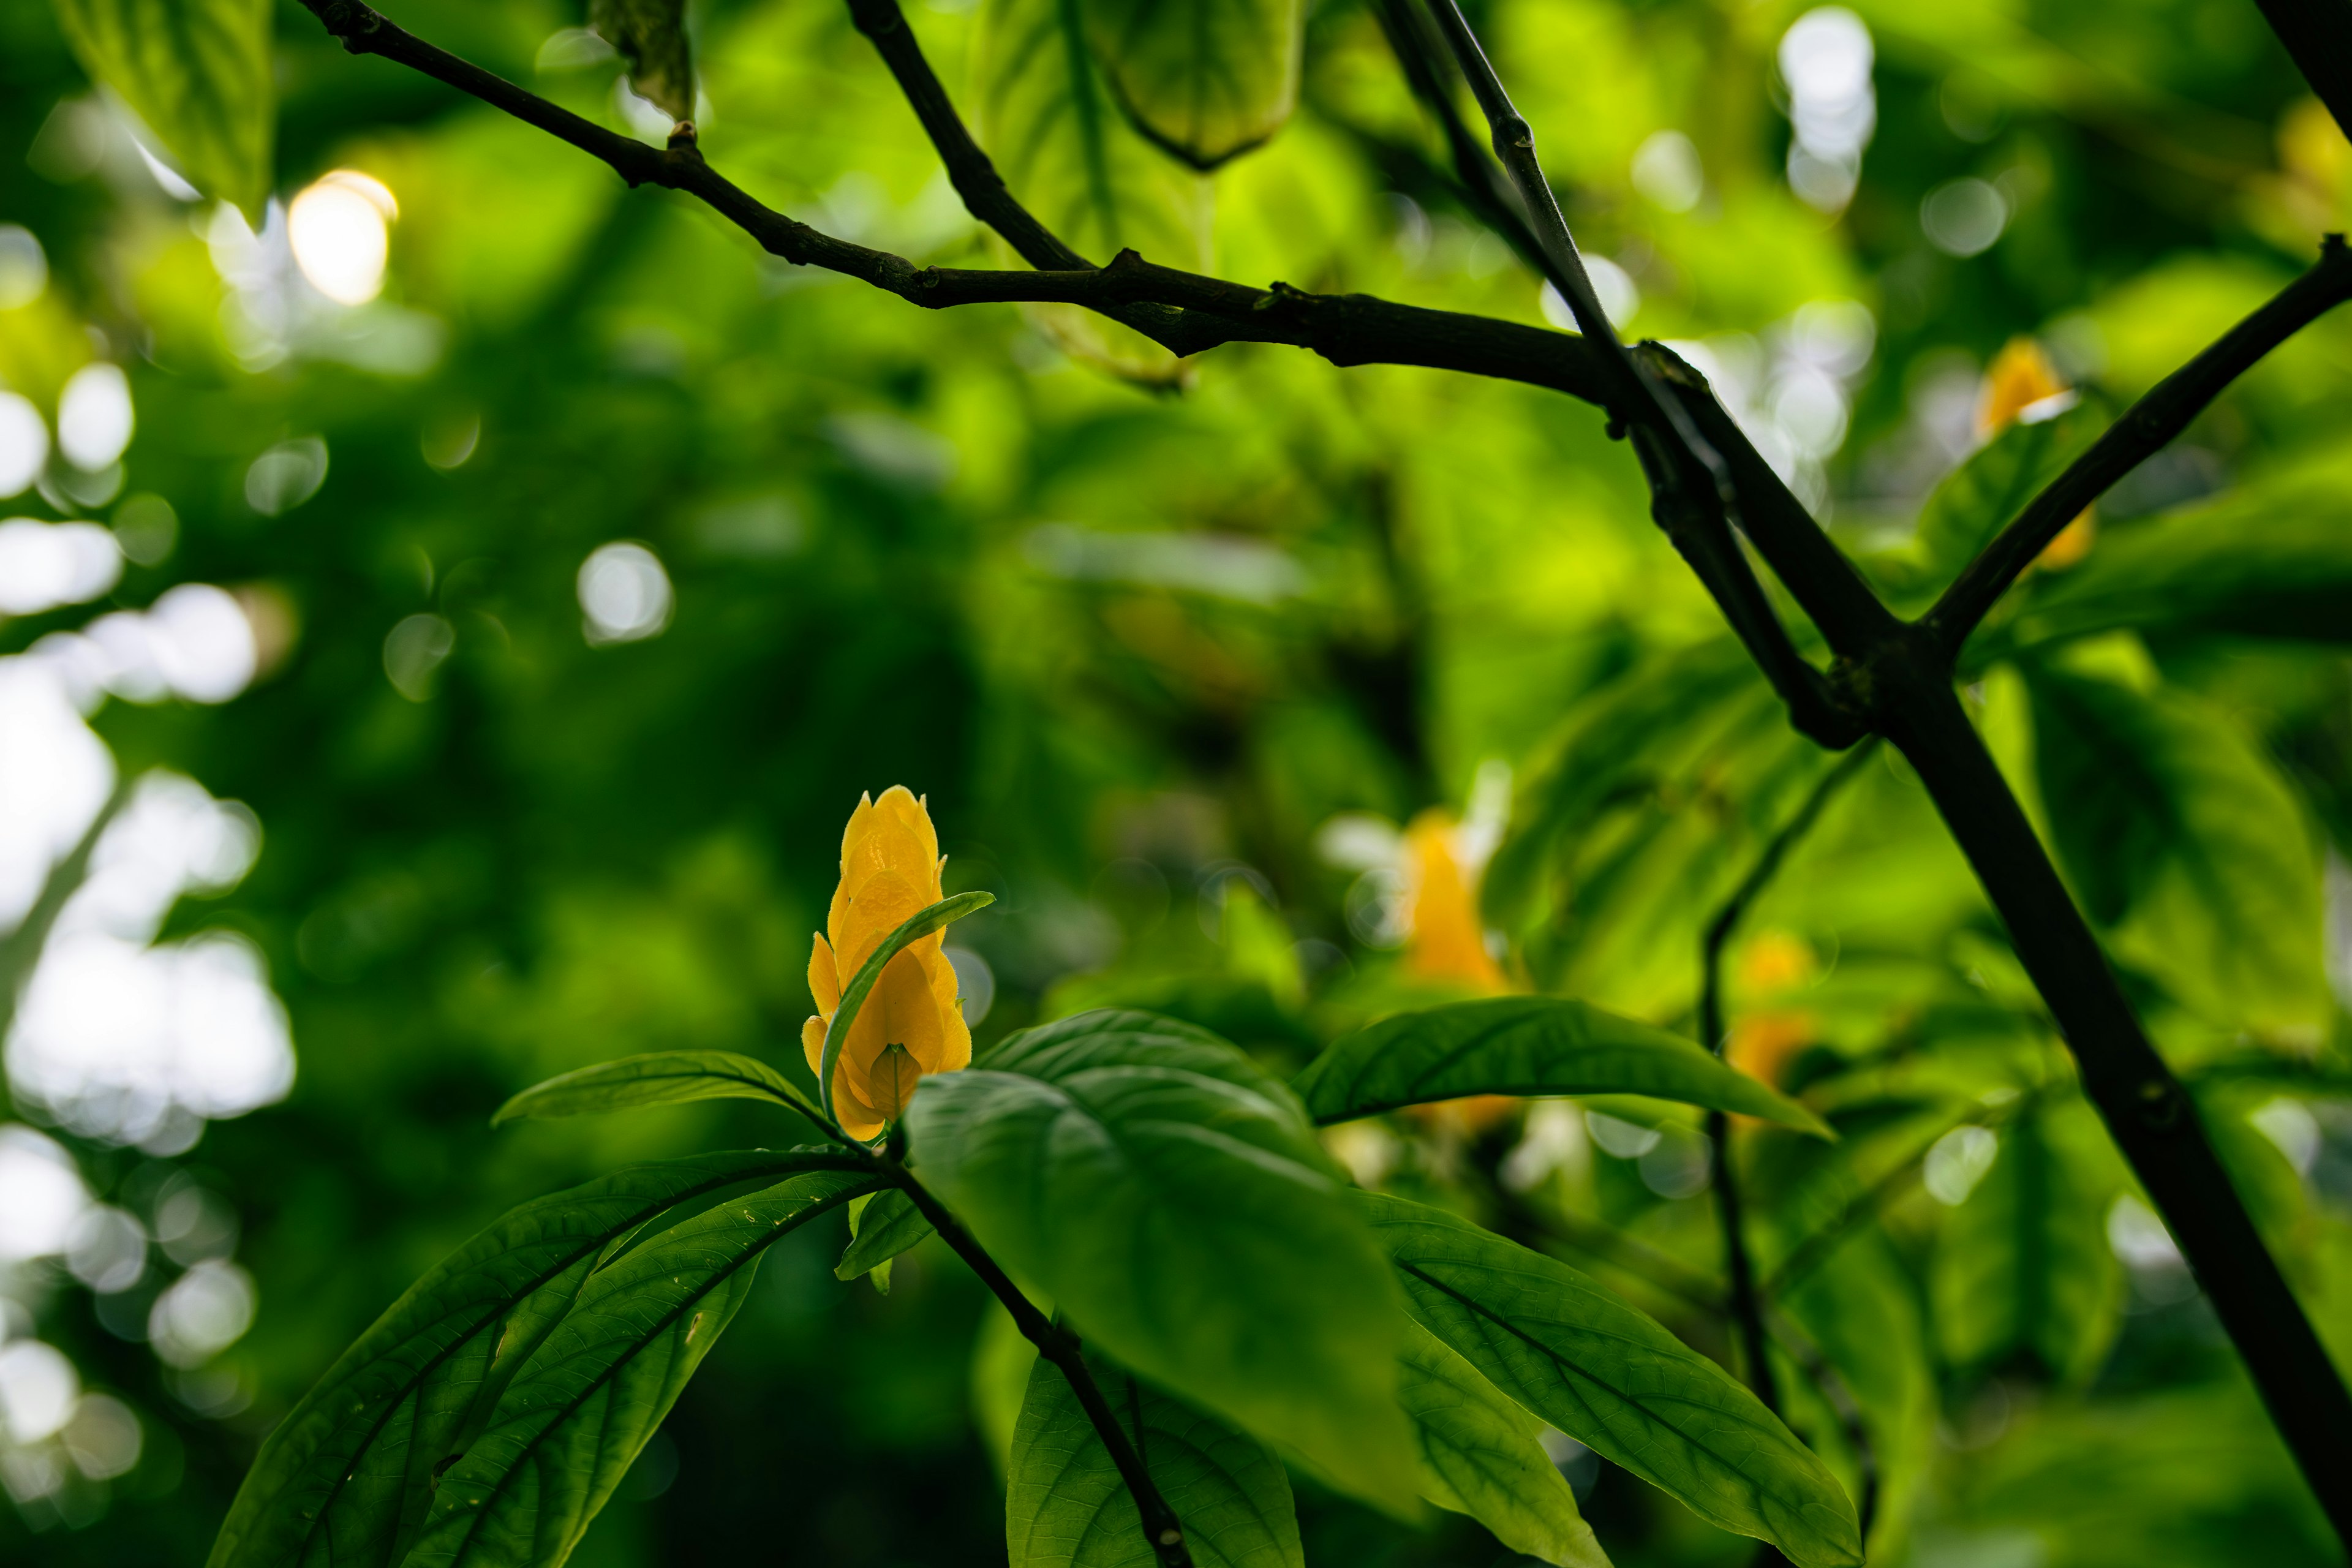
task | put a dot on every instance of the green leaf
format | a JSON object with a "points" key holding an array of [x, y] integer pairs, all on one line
{"points": [[1204, 78], [2183, 840], [651, 34], [1066, 1505], [1980, 496], [1048, 121], [570, 1425], [880, 1227], [919, 925], [197, 73], [1172, 1199], [661, 1078], [2274, 561], [2023, 1268], [1481, 1456], [1527, 1045], [1615, 1381], [349, 1474]]}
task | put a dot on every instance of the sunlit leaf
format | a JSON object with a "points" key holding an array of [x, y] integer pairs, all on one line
{"points": [[597, 1387], [651, 34], [348, 1474], [1984, 494], [1174, 1201], [1480, 1456], [1205, 78], [880, 1227], [2183, 839], [1615, 1381], [1527, 1045], [1066, 1505], [661, 1078], [197, 74]]}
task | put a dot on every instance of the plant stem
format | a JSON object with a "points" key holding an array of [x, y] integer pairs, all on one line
{"points": [[1162, 1530], [1747, 1304], [2147, 1112], [2144, 430]]}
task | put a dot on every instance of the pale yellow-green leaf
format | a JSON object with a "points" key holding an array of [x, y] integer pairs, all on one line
{"points": [[196, 73]]}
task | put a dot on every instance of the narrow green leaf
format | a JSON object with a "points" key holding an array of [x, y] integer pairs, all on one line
{"points": [[1481, 1456], [661, 1078], [1978, 499], [2183, 840], [651, 35], [1527, 1045], [1047, 119], [880, 1227], [197, 73], [567, 1428], [1615, 1381], [919, 925], [1172, 1199], [1204, 78], [1066, 1505], [2023, 1268], [347, 1475]]}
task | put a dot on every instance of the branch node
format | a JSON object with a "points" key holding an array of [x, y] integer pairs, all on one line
{"points": [[682, 139]]}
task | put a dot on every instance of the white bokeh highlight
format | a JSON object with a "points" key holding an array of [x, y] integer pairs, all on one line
{"points": [[625, 594], [95, 420], [340, 231], [1825, 59]]}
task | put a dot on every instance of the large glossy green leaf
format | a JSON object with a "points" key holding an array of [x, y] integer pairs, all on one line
{"points": [[652, 35], [2024, 1268], [1174, 1201], [880, 1227], [197, 73], [1205, 78], [597, 1387], [1066, 1507], [2274, 561], [1615, 1381], [1480, 1456], [1527, 1045], [1980, 496], [347, 1476], [660, 1077], [2184, 841], [1047, 119]]}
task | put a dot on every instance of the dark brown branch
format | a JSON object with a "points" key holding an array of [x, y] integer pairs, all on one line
{"points": [[1193, 312], [2319, 35], [1162, 1530], [2143, 431], [1745, 1302], [2147, 1111]]}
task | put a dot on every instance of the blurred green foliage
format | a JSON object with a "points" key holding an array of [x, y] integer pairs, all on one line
{"points": [[1142, 640]]}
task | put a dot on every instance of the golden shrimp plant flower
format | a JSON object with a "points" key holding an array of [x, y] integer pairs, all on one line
{"points": [[912, 1023]]}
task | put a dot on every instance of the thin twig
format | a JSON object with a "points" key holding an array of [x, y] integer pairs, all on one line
{"points": [[1162, 1530], [1747, 1304], [2144, 430]]}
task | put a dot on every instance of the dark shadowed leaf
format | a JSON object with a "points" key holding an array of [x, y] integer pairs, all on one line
{"points": [[2023, 1268], [1527, 1045], [651, 35], [567, 1428], [1066, 1506], [880, 1227], [1480, 1456], [197, 73], [2183, 840], [1615, 1381], [1205, 78], [661, 1078], [347, 1475], [1172, 1199]]}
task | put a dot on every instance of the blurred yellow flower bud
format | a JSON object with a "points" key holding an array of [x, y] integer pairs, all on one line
{"points": [[2022, 375], [912, 1024], [1448, 942]]}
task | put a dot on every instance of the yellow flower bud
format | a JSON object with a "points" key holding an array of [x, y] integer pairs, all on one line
{"points": [[1448, 941], [912, 1023]]}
